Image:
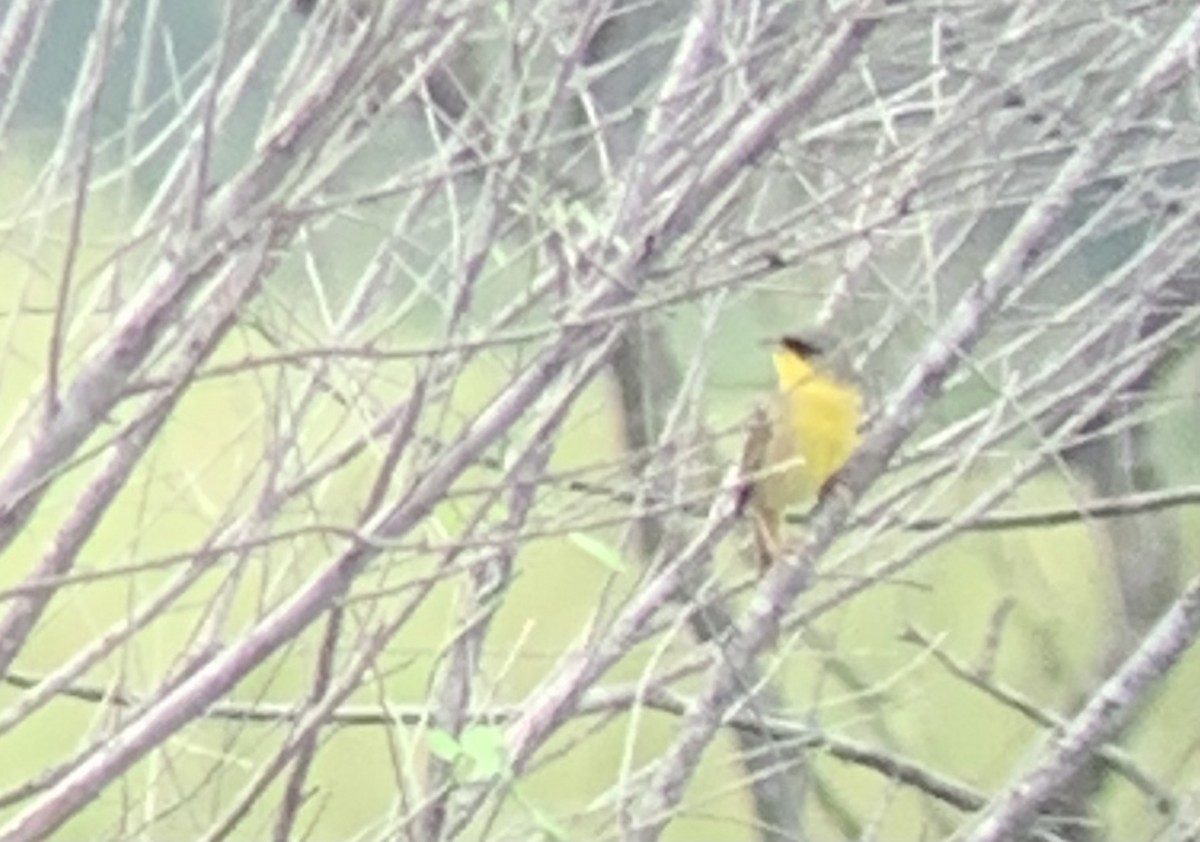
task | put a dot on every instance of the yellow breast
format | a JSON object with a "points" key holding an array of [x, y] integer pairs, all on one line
{"points": [[819, 424]]}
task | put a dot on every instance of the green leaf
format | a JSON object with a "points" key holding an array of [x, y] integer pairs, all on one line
{"points": [[484, 744], [597, 549], [443, 745]]}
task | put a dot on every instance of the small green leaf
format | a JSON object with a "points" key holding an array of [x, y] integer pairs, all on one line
{"points": [[484, 744], [443, 745], [597, 549]]}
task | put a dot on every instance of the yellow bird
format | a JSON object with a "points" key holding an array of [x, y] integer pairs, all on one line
{"points": [[806, 433]]}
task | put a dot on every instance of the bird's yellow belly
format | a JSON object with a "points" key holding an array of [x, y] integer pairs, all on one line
{"points": [[825, 424]]}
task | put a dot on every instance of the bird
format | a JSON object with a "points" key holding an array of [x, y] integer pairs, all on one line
{"points": [[799, 439]]}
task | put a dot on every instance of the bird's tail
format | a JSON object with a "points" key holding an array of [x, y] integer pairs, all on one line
{"points": [[766, 536], [764, 520]]}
